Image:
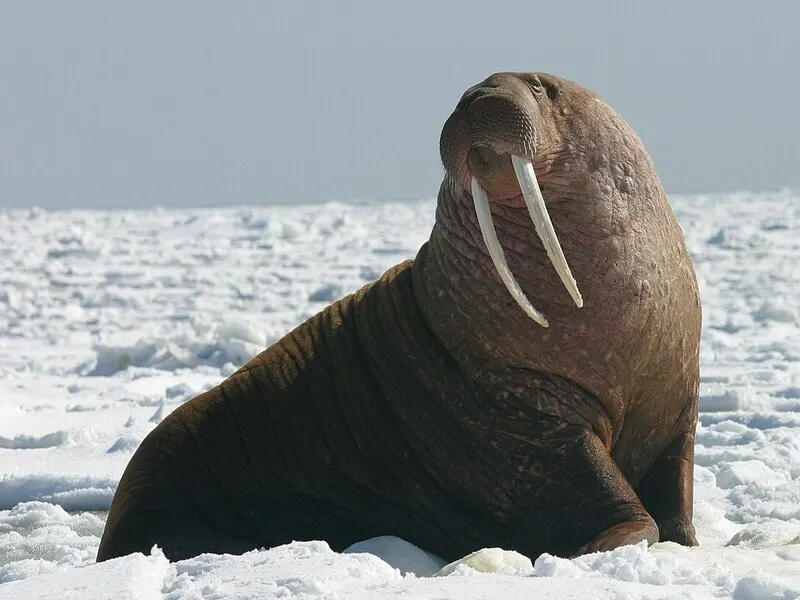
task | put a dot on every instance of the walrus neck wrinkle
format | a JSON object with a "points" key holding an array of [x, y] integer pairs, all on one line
{"points": [[461, 294]]}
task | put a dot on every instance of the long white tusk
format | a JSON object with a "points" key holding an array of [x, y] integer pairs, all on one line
{"points": [[544, 226], [486, 224]]}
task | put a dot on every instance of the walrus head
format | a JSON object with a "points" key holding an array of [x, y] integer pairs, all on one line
{"points": [[572, 190], [499, 133]]}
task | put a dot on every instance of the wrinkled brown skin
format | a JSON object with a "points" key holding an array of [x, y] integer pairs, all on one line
{"points": [[427, 405]]}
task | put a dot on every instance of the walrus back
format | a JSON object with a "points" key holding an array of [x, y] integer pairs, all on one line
{"points": [[215, 459], [312, 416]]}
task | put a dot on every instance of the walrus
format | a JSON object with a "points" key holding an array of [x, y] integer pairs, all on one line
{"points": [[528, 381]]}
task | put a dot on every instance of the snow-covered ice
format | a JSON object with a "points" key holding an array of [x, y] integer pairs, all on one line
{"points": [[111, 319]]}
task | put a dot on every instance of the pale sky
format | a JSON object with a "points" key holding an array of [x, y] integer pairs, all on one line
{"points": [[194, 102]]}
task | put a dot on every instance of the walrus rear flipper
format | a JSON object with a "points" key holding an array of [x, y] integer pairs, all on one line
{"points": [[178, 537]]}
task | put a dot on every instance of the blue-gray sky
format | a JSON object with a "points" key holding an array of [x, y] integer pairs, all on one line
{"points": [[194, 102]]}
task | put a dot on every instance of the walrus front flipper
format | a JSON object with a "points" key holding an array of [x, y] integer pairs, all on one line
{"points": [[666, 491], [603, 506]]}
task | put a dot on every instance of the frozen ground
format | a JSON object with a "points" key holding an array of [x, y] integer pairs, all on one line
{"points": [[109, 320]]}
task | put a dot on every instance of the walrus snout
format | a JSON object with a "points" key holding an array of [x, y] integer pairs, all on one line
{"points": [[493, 120]]}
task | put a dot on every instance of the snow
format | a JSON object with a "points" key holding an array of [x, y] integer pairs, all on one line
{"points": [[111, 319]]}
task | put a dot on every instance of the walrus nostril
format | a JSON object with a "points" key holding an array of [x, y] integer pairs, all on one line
{"points": [[476, 93]]}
